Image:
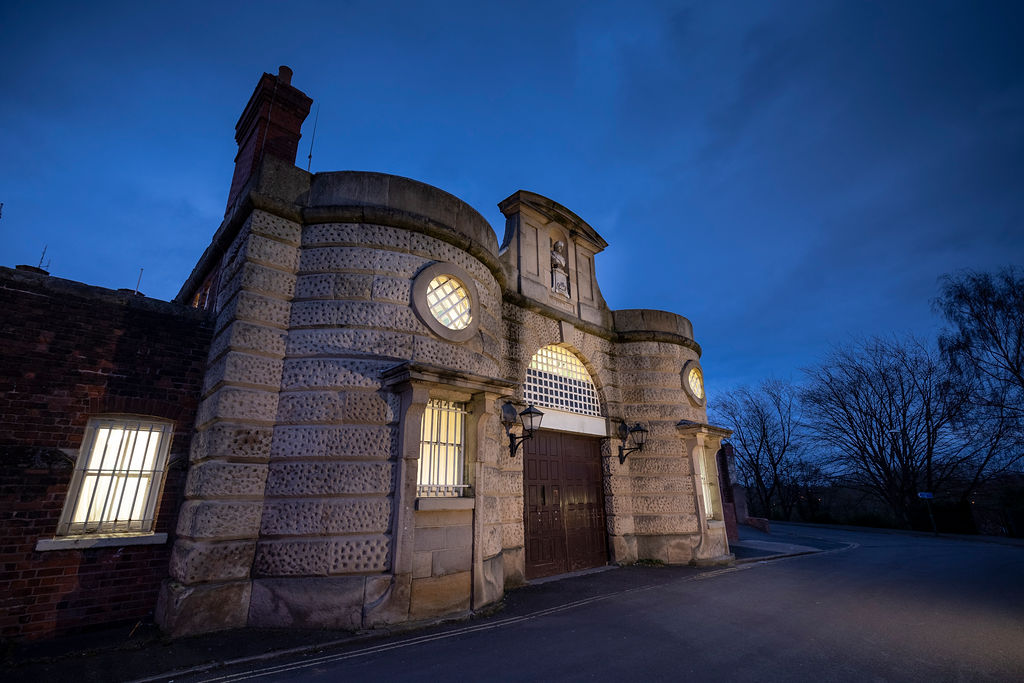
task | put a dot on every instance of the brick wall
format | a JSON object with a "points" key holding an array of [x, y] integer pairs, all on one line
{"points": [[69, 351]]}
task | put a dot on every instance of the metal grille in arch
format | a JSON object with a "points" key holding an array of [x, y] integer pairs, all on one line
{"points": [[557, 379]]}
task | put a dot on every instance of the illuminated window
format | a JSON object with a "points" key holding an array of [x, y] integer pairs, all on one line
{"points": [[709, 484], [693, 382], [449, 302], [557, 379], [442, 449], [696, 380], [117, 477], [445, 299]]}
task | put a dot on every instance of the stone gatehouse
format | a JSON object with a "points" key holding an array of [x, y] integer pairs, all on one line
{"points": [[359, 453], [350, 466]]}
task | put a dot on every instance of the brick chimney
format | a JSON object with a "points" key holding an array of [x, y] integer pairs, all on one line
{"points": [[271, 124]]}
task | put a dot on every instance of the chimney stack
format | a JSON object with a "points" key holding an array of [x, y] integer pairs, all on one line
{"points": [[270, 125]]}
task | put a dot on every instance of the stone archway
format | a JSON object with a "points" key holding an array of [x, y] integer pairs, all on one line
{"points": [[563, 512]]}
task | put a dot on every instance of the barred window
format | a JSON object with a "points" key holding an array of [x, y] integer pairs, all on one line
{"points": [[558, 379], [442, 449], [449, 302], [709, 485], [118, 476]]}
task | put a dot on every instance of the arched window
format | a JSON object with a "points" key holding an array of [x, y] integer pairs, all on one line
{"points": [[557, 379]]}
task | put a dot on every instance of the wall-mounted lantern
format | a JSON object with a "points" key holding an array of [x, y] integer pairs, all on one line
{"points": [[530, 417], [637, 435]]}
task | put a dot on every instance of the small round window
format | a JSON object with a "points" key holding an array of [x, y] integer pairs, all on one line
{"points": [[693, 382], [445, 299], [449, 302], [696, 380]]}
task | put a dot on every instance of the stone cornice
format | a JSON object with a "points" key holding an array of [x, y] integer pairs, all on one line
{"points": [[276, 177], [411, 372], [691, 428]]}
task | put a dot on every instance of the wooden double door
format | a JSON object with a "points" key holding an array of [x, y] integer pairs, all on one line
{"points": [[564, 509]]}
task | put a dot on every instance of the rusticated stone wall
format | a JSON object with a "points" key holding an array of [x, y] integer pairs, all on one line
{"points": [[657, 486], [351, 320], [296, 412], [213, 558], [661, 488], [303, 482], [528, 331]]}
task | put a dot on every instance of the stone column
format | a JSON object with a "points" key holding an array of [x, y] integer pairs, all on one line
{"points": [[485, 442], [210, 584]]}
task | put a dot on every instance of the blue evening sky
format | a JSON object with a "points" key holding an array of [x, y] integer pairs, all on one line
{"points": [[788, 175]]}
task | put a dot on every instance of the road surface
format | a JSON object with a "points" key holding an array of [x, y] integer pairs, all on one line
{"points": [[870, 606]]}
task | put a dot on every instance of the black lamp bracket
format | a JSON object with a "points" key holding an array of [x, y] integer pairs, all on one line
{"points": [[637, 434], [530, 417]]}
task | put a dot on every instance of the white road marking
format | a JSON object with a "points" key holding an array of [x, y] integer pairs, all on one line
{"points": [[419, 640]]}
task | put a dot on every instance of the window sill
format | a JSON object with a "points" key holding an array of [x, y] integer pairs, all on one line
{"points": [[99, 541], [716, 524], [440, 503]]}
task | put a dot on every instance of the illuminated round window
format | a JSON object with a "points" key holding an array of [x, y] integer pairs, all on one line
{"points": [[449, 302], [696, 380], [444, 298], [693, 382]]}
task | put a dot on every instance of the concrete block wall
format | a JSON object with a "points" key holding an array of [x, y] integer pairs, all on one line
{"points": [[71, 351]]}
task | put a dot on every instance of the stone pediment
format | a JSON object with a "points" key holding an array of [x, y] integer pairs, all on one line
{"points": [[551, 211], [548, 252]]}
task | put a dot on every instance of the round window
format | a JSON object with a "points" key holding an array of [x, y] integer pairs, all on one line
{"points": [[696, 380], [449, 302], [693, 382], [445, 300]]}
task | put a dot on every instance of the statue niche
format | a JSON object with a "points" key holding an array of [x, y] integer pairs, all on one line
{"points": [[559, 269]]}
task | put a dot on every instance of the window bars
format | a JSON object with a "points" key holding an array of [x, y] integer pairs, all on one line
{"points": [[442, 449], [449, 302], [558, 379], [709, 484], [117, 477]]}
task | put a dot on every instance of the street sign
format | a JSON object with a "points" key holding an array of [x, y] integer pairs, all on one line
{"points": [[925, 494]]}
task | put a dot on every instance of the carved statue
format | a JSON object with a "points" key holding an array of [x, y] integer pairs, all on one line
{"points": [[559, 270]]}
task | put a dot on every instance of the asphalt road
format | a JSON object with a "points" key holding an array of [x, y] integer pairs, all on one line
{"points": [[871, 606]]}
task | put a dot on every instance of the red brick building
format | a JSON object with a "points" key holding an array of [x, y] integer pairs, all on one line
{"points": [[71, 353]]}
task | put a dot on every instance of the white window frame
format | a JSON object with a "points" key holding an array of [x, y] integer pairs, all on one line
{"points": [[98, 463], [709, 486], [441, 470]]}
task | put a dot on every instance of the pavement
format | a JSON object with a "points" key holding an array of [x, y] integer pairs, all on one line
{"points": [[141, 652], [755, 546]]}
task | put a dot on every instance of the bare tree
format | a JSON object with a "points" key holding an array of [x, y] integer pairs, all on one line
{"points": [[897, 422], [986, 339], [764, 422]]}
